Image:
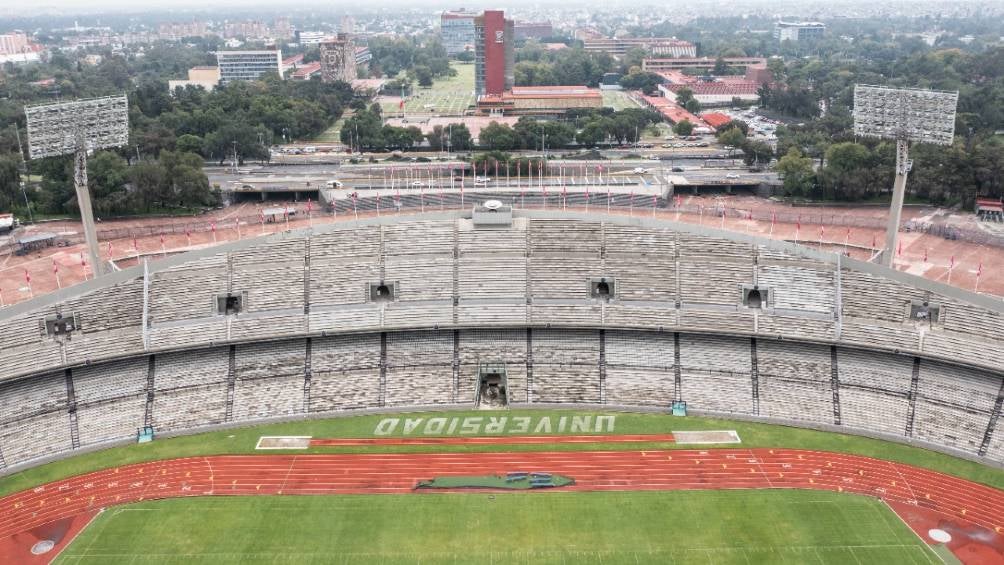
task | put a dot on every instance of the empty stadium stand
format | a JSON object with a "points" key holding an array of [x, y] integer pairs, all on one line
{"points": [[395, 312]]}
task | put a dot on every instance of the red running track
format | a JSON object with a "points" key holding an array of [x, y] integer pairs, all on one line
{"points": [[955, 499], [493, 440]]}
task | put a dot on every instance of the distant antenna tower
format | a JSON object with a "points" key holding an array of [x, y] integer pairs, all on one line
{"points": [[66, 128], [903, 115]]}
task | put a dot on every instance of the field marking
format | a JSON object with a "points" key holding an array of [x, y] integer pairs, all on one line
{"points": [[694, 435], [927, 547], [294, 442]]}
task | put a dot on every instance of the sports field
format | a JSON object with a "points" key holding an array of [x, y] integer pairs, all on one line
{"points": [[448, 96], [632, 527], [618, 100], [782, 495]]}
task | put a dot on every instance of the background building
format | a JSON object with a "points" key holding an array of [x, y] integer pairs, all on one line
{"points": [[310, 37], [456, 31], [245, 30], [657, 65], [666, 46], [174, 31], [282, 28], [13, 43], [798, 31], [540, 100], [493, 53], [247, 65], [338, 59], [532, 30], [206, 77]]}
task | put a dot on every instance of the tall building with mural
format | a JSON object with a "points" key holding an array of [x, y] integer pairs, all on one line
{"points": [[493, 53], [338, 59]]}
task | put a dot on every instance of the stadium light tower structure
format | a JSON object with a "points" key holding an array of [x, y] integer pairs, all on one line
{"points": [[76, 128], [905, 115]]}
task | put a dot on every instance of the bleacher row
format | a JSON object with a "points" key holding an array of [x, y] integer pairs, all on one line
{"points": [[449, 274], [903, 396]]}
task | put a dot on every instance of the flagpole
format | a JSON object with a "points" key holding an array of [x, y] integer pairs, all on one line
{"points": [[979, 272], [55, 271]]}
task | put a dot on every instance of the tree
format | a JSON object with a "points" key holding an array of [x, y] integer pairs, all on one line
{"points": [[797, 173], [763, 92], [741, 125], [756, 152], [593, 133], [683, 96], [10, 181], [423, 75], [683, 128], [498, 137], [107, 174], [720, 67], [460, 137], [846, 174], [733, 137], [644, 81], [189, 143], [692, 106]]}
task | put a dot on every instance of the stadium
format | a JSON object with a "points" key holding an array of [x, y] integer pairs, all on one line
{"points": [[761, 400]]}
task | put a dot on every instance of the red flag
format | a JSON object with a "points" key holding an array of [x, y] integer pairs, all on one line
{"points": [[135, 244], [979, 270], [83, 262], [212, 226], [109, 250], [925, 255], [400, 105], [162, 240], [874, 242], [55, 267], [27, 277], [749, 215], [798, 223], [951, 264], [899, 250]]}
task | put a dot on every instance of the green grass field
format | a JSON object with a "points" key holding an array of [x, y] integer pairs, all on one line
{"points": [[243, 440], [618, 100], [721, 527], [448, 96], [332, 134]]}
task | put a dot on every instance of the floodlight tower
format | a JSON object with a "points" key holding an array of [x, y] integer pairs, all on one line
{"points": [[903, 115], [66, 128]]}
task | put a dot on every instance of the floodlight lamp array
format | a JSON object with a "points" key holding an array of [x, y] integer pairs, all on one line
{"points": [[921, 116], [60, 128]]}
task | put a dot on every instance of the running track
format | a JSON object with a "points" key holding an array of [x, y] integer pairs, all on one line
{"points": [[956, 499]]}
